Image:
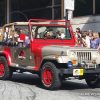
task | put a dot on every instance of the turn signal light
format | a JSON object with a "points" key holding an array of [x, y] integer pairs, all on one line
{"points": [[74, 62]]}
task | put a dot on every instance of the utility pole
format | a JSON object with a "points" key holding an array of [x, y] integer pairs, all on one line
{"points": [[53, 12], [62, 9], [8, 11], [94, 7]]}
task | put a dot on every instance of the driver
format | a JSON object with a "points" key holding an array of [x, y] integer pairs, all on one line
{"points": [[49, 34], [60, 35]]}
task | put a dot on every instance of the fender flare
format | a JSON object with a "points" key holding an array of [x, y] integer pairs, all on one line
{"points": [[59, 59], [7, 56]]}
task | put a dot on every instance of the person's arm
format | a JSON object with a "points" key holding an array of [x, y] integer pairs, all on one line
{"points": [[98, 47], [5, 35], [84, 43], [98, 44]]}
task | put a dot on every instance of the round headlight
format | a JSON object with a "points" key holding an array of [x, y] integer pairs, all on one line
{"points": [[72, 55], [95, 55]]}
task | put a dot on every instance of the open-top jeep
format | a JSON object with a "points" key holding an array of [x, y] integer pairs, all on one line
{"points": [[47, 48]]}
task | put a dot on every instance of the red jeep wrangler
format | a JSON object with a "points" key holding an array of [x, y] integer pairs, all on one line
{"points": [[47, 49]]}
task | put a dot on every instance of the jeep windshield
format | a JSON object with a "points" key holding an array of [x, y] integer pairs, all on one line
{"points": [[49, 29]]}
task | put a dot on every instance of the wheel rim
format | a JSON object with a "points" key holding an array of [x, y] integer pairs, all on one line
{"points": [[2, 69], [47, 77]]}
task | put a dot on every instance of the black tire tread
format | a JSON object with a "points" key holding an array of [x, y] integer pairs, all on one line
{"points": [[92, 85], [57, 81]]}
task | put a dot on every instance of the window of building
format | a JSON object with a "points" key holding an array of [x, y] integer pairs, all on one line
{"points": [[97, 9], [50, 9], [83, 7], [2, 12]]}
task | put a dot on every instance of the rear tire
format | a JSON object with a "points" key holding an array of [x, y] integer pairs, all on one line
{"points": [[50, 76], [5, 72]]}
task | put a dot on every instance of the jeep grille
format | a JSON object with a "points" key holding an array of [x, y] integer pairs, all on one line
{"points": [[84, 56]]}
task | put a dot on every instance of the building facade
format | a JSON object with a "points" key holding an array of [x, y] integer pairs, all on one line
{"points": [[22, 10]]}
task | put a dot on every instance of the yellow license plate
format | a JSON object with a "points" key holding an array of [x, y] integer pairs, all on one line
{"points": [[78, 72]]}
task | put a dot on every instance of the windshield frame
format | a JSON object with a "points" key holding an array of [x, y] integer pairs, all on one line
{"points": [[45, 22]]}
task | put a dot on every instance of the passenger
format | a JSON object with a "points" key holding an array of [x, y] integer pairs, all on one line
{"points": [[58, 34], [1, 35], [27, 41], [6, 34], [24, 39], [16, 36], [10, 37], [17, 32], [48, 35], [54, 36]]}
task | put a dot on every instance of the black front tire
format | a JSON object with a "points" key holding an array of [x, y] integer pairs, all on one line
{"points": [[93, 81], [6, 73], [54, 78]]}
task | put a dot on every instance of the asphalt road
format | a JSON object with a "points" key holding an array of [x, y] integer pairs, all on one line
{"points": [[28, 87]]}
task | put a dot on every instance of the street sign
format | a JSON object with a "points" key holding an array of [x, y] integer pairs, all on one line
{"points": [[69, 4], [69, 8]]}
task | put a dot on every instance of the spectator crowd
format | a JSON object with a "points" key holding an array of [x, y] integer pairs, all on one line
{"points": [[88, 39]]}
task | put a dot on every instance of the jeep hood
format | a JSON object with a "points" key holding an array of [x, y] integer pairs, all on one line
{"points": [[62, 50]]}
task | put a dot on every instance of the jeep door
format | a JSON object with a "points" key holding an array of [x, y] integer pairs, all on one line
{"points": [[21, 52]]}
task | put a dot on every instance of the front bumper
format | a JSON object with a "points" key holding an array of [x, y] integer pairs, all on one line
{"points": [[71, 71]]}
